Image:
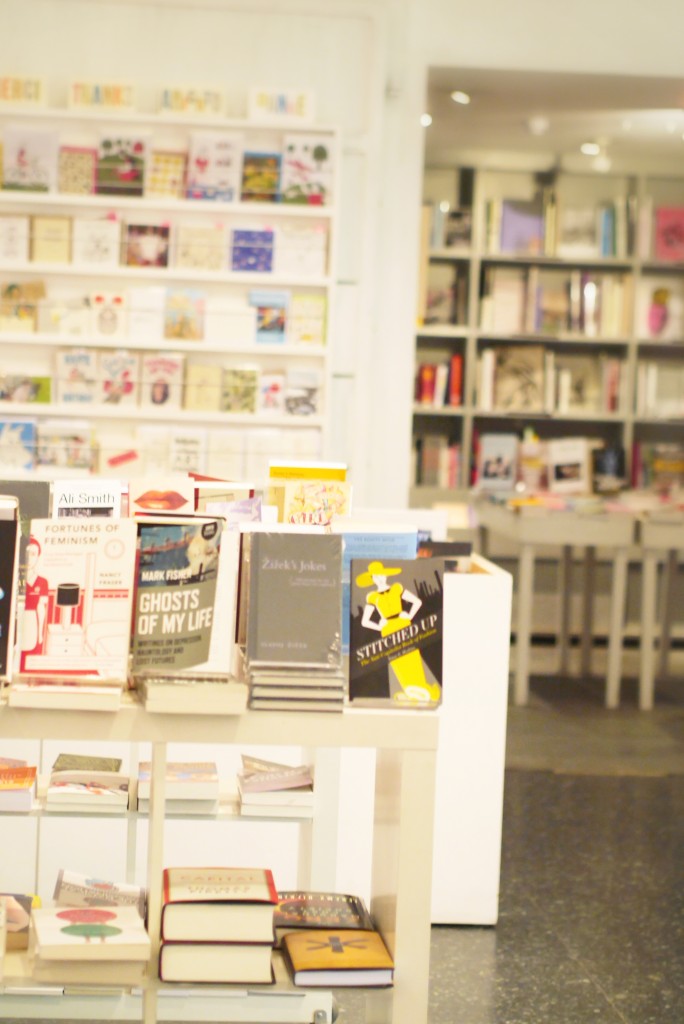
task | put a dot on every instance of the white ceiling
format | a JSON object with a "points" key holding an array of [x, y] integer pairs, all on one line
{"points": [[639, 122]]}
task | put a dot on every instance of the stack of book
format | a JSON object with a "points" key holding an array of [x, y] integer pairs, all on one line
{"points": [[92, 785], [291, 614], [17, 785], [89, 945], [191, 787], [270, 790], [217, 925], [329, 939]]}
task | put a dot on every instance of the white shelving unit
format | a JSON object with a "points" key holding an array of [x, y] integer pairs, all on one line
{"points": [[406, 744], [169, 132]]}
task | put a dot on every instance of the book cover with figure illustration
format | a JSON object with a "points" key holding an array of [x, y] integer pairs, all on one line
{"points": [[395, 649]]}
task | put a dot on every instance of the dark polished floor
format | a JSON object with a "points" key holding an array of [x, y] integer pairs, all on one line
{"points": [[591, 925]]}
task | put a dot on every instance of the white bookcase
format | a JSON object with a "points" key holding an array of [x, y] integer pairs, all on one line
{"points": [[406, 745], [34, 352]]}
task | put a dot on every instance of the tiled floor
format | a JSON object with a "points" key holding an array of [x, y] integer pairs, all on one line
{"points": [[591, 925]]}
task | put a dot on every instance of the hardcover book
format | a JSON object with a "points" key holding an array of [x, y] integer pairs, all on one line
{"points": [[90, 933], [497, 465], [299, 909], [219, 904], [214, 166], [522, 226], [186, 580], [252, 250], [338, 957], [295, 597], [307, 171], [519, 378], [77, 170], [216, 962], [118, 375], [396, 628], [668, 242], [121, 165], [79, 592], [260, 177], [29, 158]]}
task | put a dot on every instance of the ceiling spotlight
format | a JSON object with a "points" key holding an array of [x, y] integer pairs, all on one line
{"points": [[460, 97], [538, 125], [425, 120], [590, 148]]}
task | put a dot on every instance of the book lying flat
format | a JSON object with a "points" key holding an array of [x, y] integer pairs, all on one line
{"points": [[64, 696], [217, 963], [17, 788], [277, 810], [193, 696], [185, 780], [90, 933], [301, 796], [76, 890], [338, 957], [121, 973], [300, 909], [218, 905]]}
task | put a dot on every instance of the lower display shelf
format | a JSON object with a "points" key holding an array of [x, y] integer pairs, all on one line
{"points": [[282, 1003]]}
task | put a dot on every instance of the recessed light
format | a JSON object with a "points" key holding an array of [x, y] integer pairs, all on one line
{"points": [[460, 97], [425, 120], [590, 148]]}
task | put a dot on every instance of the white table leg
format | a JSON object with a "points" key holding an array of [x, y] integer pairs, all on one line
{"points": [[666, 611], [649, 572], [402, 881], [588, 610], [524, 624], [617, 620], [565, 592]]}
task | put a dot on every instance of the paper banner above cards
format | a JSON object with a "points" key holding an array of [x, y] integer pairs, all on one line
{"points": [[101, 96], [291, 106], [22, 90], [191, 100]]}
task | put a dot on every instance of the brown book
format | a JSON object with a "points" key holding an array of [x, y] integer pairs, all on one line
{"points": [[338, 957]]}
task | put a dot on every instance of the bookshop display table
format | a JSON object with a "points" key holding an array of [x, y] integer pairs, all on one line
{"points": [[406, 745], [660, 541], [566, 529]]}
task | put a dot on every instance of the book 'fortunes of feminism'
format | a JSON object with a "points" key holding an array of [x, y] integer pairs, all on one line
{"points": [[186, 578], [396, 632]]}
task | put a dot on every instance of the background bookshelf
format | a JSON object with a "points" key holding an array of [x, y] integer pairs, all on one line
{"points": [[571, 322]]}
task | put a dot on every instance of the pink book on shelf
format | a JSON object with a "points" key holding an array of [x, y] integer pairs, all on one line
{"points": [[669, 233]]}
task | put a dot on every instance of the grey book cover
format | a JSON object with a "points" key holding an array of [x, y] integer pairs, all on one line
{"points": [[295, 599]]}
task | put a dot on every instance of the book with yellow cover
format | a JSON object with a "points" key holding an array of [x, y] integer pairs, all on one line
{"points": [[339, 957]]}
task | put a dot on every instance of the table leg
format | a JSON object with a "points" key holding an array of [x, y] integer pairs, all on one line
{"points": [[565, 594], [588, 610], [649, 572], [524, 624], [666, 611], [617, 621]]}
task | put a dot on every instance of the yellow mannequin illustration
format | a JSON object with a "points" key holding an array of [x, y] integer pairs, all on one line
{"points": [[386, 613]]}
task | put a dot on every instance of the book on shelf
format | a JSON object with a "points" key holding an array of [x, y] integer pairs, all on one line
{"points": [[260, 176], [271, 315], [305, 909], [286, 799], [216, 963], [436, 461], [165, 177], [192, 695], [184, 314], [457, 553], [69, 934], [295, 595], [189, 808], [660, 308], [121, 161], [50, 239], [307, 170], [66, 696], [338, 957], [109, 314], [668, 233], [146, 245], [91, 976], [29, 158], [161, 379], [118, 376], [521, 226], [218, 905], [569, 465], [18, 907], [518, 384], [259, 776], [74, 889], [503, 298], [86, 762], [34, 503], [578, 232], [497, 463], [185, 601], [252, 250], [660, 388], [214, 165], [10, 535], [14, 239], [79, 593], [324, 702], [91, 784], [18, 442], [200, 247], [17, 788], [395, 639], [96, 241], [184, 780], [77, 170], [84, 498]]}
